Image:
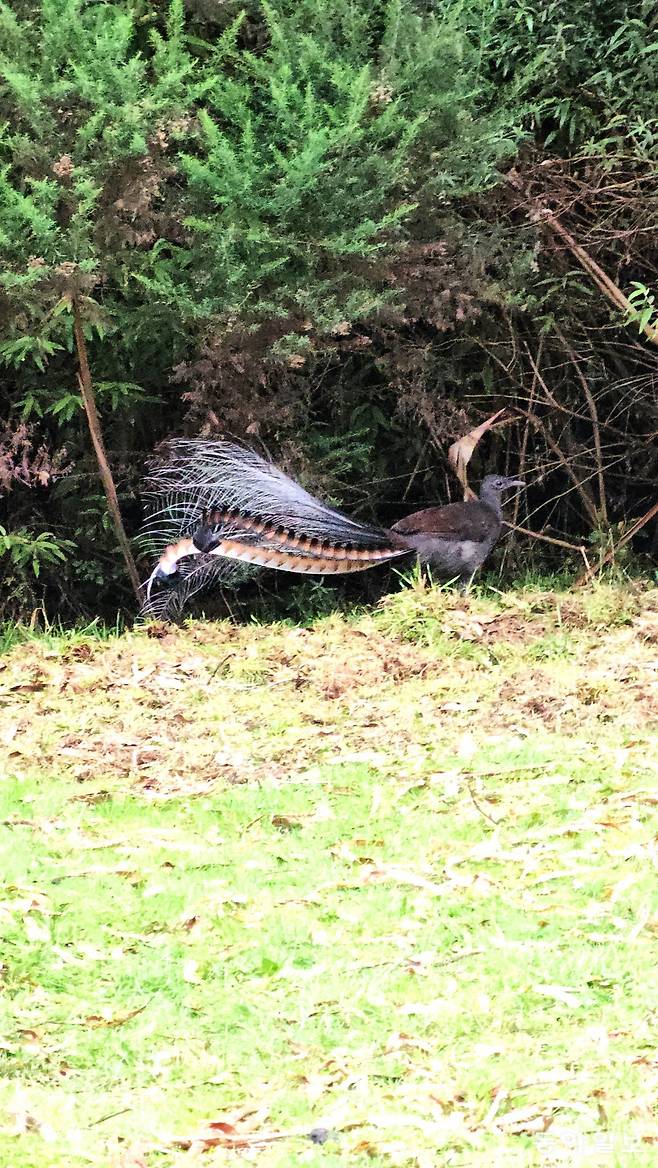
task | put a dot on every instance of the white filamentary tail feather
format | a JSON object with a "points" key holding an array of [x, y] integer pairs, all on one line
{"points": [[199, 475]]}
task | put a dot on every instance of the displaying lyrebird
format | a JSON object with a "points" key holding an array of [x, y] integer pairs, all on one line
{"points": [[242, 509]]}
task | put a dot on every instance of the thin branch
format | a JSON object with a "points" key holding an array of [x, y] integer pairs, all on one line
{"points": [[491, 818], [559, 454], [633, 530], [93, 421], [595, 424], [573, 547], [526, 429]]}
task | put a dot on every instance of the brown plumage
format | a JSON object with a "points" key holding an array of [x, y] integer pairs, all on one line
{"points": [[455, 521]]}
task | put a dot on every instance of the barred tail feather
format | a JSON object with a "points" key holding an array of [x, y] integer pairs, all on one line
{"points": [[326, 562]]}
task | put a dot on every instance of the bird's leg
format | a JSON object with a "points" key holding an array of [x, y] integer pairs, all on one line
{"points": [[465, 583], [425, 578]]}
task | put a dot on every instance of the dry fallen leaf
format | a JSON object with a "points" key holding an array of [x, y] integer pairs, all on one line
{"points": [[390, 873], [461, 451], [221, 1134], [526, 1120], [289, 821], [106, 1019]]}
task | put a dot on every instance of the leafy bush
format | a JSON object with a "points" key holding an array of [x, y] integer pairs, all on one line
{"points": [[287, 221], [167, 183], [239, 188]]}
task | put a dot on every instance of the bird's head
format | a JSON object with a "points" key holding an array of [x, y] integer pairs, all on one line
{"points": [[492, 489], [500, 483]]}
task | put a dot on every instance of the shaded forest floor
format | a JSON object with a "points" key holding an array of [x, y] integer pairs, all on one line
{"points": [[387, 881]]}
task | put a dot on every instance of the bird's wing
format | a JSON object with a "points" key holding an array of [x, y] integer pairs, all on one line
{"points": [[456, 521]]}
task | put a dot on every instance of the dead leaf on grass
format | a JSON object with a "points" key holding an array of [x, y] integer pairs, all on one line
{"points": [[190, 923], [403, 1042], [526, 1120], [157, 631], [28, 686], [391, 874], [289, 821]]}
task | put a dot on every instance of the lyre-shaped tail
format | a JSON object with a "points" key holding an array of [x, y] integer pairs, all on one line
{"points": [[220, 499]]}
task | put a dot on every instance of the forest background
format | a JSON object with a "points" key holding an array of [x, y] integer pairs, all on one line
{"points": [[345, 231]]}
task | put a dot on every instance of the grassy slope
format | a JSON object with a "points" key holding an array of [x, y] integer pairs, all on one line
{"points": [[394, 877]]}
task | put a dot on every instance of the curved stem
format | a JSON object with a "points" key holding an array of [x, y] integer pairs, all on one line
{"points": [[94, 423]]}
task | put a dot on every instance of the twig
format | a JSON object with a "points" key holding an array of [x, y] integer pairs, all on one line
{"points": [[580, 485], [481, 809], [252, 822], [637, 526], [459, 957], [573, 547], [414, 471], [526, 430], [219, 665], [559, 454], [111, 1115], [596, 430]]}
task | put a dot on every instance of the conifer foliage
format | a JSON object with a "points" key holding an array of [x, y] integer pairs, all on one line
{"points": [[180, 177]]}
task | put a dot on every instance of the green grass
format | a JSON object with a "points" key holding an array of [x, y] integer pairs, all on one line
{"points": [[393, 877], [56, 634]]}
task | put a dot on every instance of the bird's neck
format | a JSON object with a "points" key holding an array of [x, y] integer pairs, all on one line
{"points": [[491, 499]]}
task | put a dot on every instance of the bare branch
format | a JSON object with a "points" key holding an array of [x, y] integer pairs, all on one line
{"points": [[93, 421]]}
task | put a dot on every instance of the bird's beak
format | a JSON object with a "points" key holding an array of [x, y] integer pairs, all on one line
{"points": [[516, 483]]}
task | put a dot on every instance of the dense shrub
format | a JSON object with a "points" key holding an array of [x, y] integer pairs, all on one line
{"points": [[290, 220]]}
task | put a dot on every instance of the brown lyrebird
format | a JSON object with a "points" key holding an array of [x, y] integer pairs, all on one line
{"points": [[247, 510]]}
